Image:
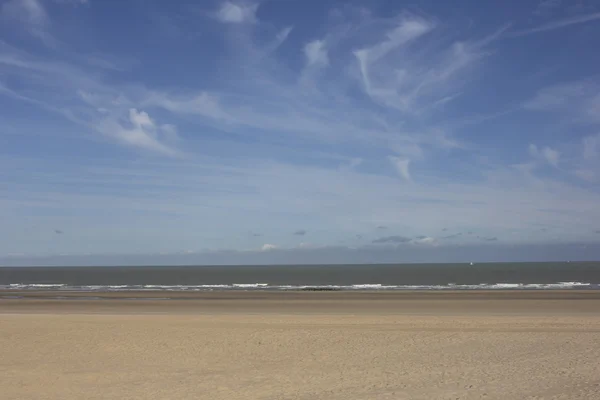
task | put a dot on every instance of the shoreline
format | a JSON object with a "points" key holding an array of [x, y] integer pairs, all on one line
{"points": [[557, 294], [506, 302]]}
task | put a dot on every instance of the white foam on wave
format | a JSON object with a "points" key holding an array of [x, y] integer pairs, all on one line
{"points": [[371, 286], [266, 286], [250, 285], [33, 286]]}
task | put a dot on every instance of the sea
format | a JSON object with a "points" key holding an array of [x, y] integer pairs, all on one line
{"points": [[465, 276]]}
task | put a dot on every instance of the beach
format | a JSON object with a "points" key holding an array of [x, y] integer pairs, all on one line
{"points": [[300, 345]]}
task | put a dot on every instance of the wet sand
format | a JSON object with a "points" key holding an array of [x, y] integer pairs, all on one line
{"points": [[300, 345]]}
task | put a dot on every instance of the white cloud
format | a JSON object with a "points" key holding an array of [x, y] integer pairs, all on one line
{"points": [[237, 12], [316, 53], [203, 104], [140, 119], [268, 247], [408, 69], [267, 104], [142, 134], [545, 154], [427, 240], [551, 156], [401, 165]]}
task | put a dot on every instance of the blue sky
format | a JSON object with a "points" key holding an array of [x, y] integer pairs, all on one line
{"points": [[278, 128]]}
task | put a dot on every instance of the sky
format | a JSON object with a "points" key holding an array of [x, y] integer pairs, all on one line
{"points": [[298, 131]]}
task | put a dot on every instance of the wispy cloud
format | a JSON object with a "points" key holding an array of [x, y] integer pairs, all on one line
{"points": [[489, 239], [401, 166], [559, 24], [30, 15], [237, 12], [316, 53], [391, 78], [545, 154], [87, 102], [409, 29], [561, 96], [141, 132], [300, 232], [453, 236], [425, 240], [28, 11], [175, 196], [392, 239], [266, 103], [577, 105], [268, 247], [292, 131]]}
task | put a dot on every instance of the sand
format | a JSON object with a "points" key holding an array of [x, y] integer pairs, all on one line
{"points": [[302, 346]]}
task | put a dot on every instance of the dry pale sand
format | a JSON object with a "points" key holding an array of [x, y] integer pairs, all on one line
{"points": [[302, 346]]}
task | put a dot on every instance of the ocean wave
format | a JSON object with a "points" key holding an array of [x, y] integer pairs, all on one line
{"points": [[266, 286], [34, 286], [250, 285]]}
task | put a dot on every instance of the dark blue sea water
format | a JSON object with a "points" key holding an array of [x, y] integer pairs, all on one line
{"points": [[565, 275]]}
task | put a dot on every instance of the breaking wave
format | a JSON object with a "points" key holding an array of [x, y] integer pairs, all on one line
{"points": [[266, 286]]}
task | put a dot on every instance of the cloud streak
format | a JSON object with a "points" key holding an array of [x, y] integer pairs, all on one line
{"points": [[29, 15], [453, 236], [559, 24], [267, 105], [392, 239]]}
